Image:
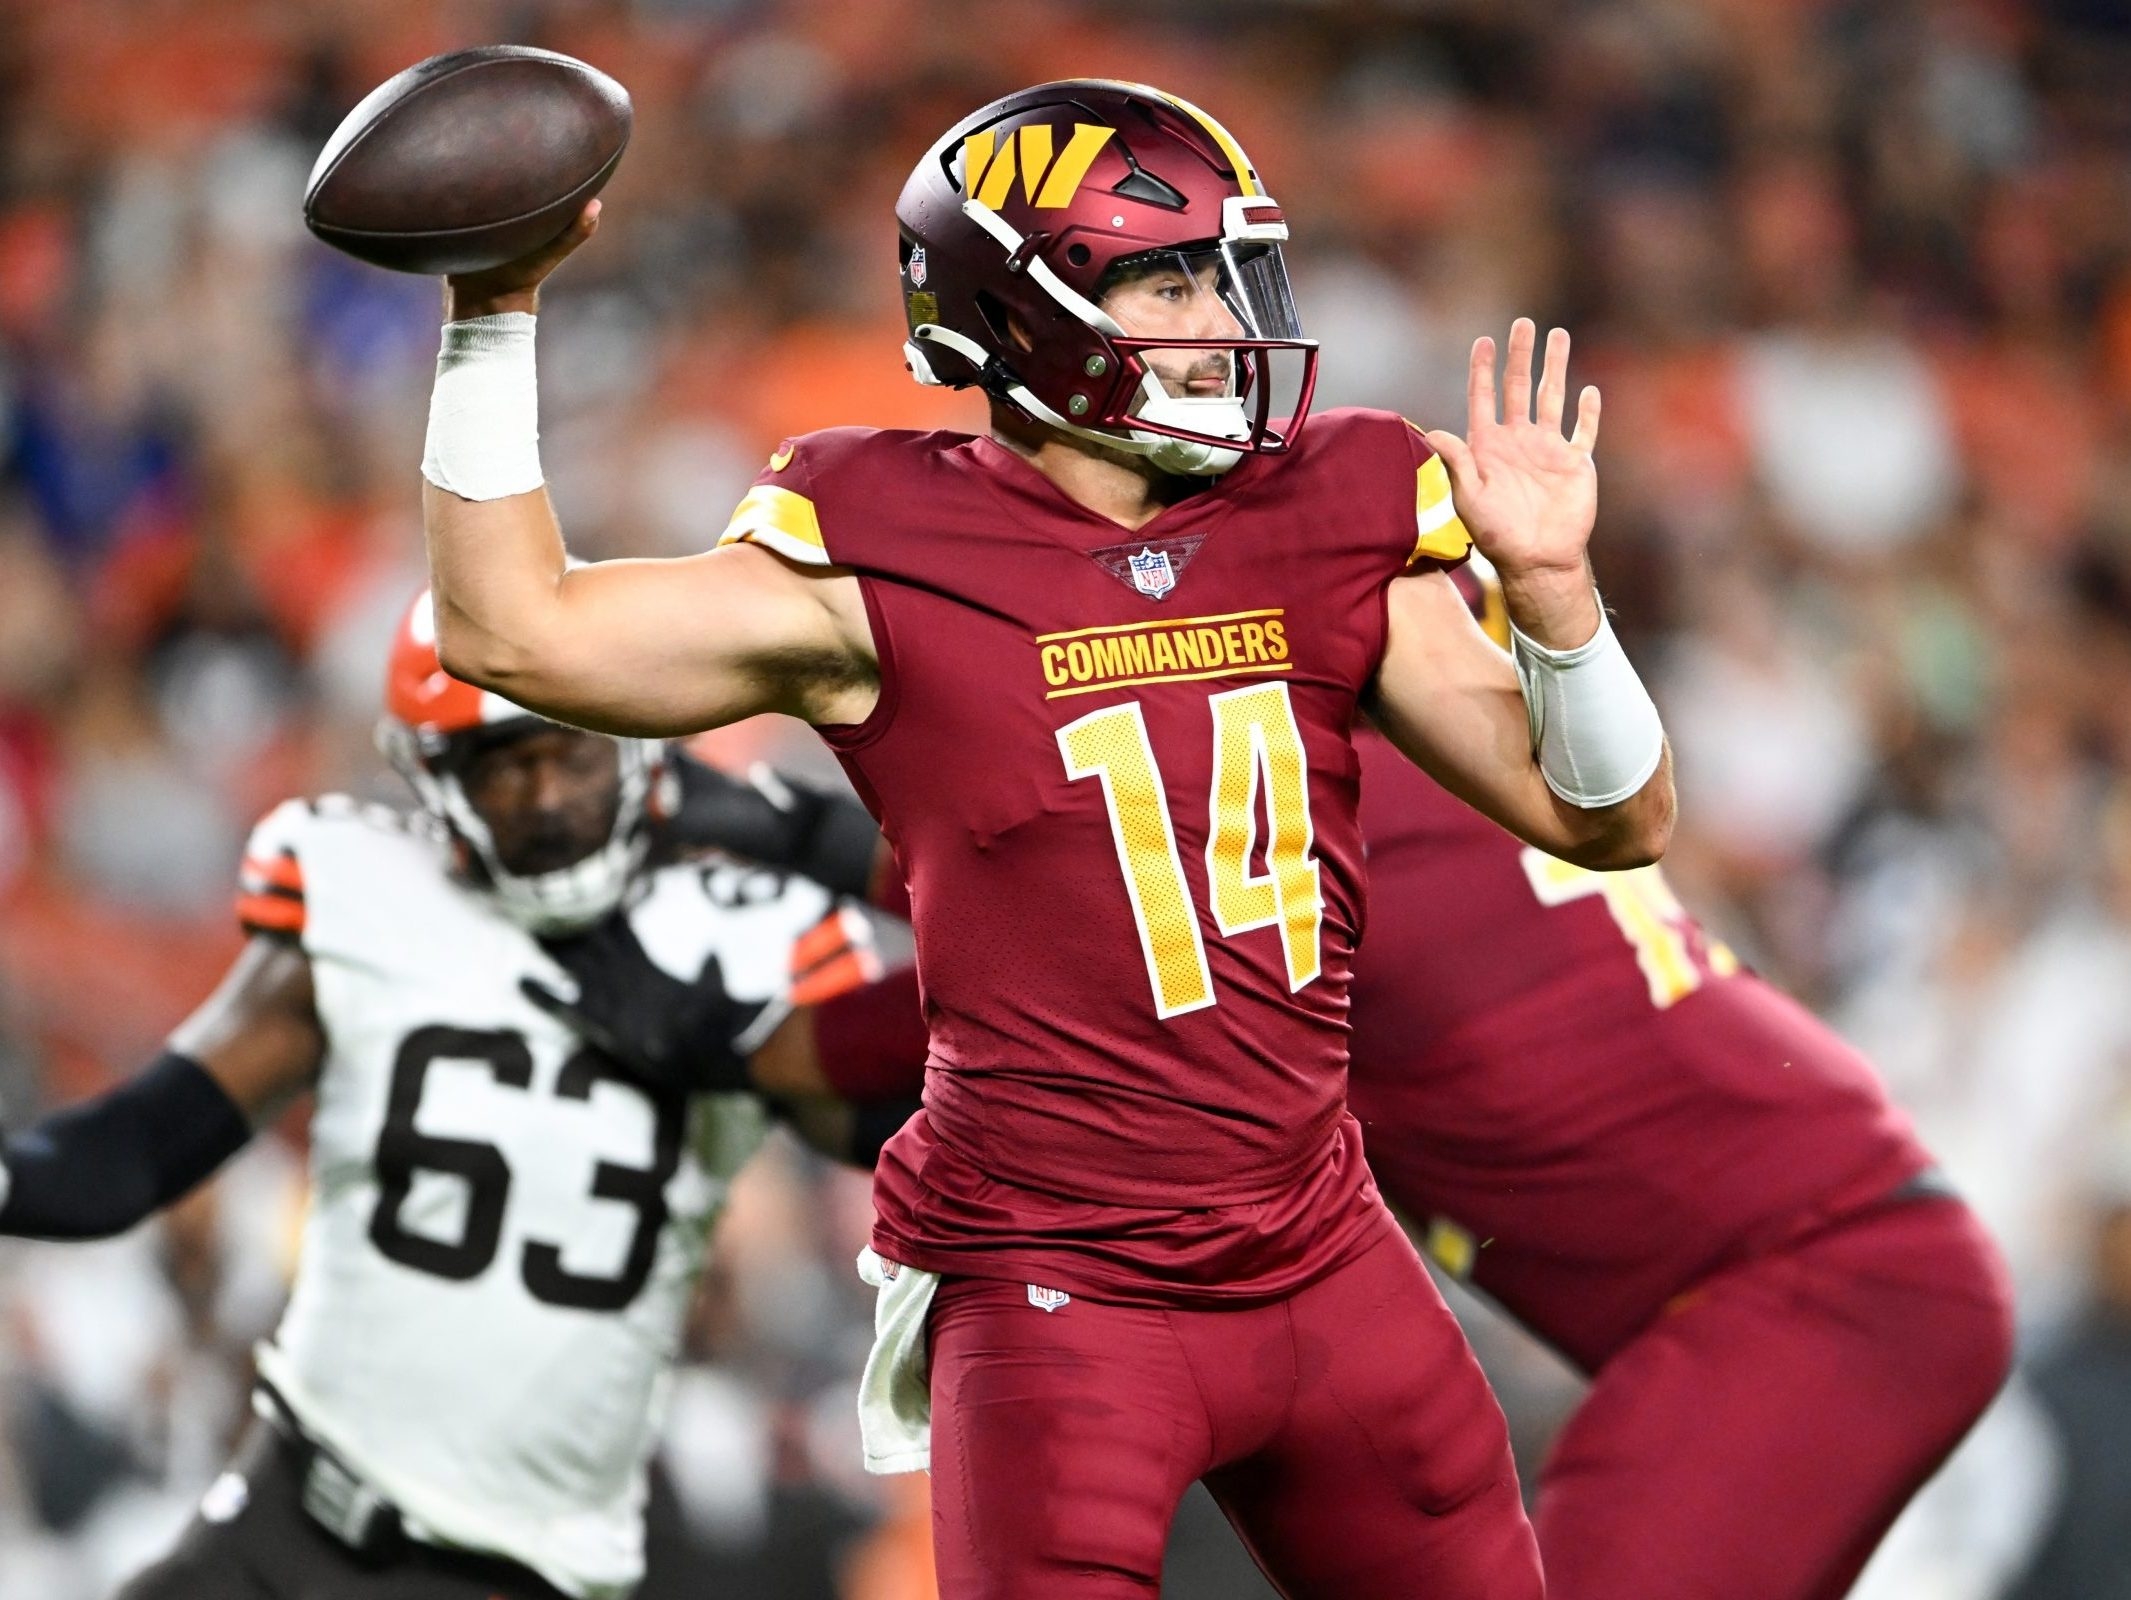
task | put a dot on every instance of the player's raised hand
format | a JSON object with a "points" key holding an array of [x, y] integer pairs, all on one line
{"points": [[1527, 493], [515, 286]]}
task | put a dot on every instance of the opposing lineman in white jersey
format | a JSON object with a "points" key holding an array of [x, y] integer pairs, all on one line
{"points": [[504, 1231], [507, 1221]]}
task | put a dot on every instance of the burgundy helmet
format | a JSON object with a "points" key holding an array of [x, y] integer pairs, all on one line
{"points": [[1024, 209]]}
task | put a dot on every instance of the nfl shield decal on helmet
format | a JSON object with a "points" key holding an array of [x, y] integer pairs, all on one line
{"points": [[1152, 574], [917, 268]]}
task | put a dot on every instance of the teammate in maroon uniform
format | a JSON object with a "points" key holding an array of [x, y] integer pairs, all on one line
{"points": [[1096, 673], [1684, 1182]]}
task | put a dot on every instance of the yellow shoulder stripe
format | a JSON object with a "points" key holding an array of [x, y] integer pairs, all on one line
{"points": [[781, 520], [1439, 532]]}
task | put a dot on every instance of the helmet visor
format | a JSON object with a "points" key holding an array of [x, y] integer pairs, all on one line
{"points": [[1212, 346], [1255, 284], [1202, 294]]}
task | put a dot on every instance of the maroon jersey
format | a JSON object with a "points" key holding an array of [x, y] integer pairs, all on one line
{"points": [[1117, 770], [1573, 1088]]}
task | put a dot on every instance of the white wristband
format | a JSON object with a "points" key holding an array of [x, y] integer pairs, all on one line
{"points": [[484, 414], [1593, 724]]}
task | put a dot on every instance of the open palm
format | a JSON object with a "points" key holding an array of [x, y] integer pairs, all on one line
{"points": [[1527, 494]]}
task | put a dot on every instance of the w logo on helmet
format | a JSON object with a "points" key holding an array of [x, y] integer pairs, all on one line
{"points": [[989, 166]]}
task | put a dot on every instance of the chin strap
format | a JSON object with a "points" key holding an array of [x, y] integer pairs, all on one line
{"points": [[1191, 457], [920, 363]]}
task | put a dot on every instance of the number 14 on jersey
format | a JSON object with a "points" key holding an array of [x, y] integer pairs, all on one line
{"points": [[1257, 753]]}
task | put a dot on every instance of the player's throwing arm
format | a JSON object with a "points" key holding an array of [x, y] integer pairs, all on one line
{"points": [[467, 166], [1557, 741]]}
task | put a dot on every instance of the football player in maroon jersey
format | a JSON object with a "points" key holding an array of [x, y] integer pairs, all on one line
{"points": [[1684, 1182], [1097, 673], [1653, 1160]]}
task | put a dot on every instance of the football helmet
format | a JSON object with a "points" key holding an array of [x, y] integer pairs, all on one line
{"points": [[1027, 209], [432, 719]]}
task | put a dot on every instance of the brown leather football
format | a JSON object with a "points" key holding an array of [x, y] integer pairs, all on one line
{"points": [[468, 160]]}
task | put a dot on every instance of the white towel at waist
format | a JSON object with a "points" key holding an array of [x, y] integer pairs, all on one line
{"points": [[895, 1393]]}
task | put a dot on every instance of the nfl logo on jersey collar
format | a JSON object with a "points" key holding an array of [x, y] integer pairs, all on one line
{"points": [[1152, 574], [1151, 569], [1047, 1299]]}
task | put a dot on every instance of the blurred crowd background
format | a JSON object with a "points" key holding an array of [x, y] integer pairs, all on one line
{"points": [[1855, 278]]}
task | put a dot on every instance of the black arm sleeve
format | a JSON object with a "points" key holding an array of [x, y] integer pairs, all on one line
{"points": [[98, 1168]]}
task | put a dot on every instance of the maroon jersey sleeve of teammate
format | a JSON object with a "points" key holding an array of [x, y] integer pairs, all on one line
{"points": [[1566, 1065], [871, 1040]]}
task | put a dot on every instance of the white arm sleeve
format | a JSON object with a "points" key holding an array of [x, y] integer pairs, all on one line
{"points": [[1593, 724], [484, 413]]}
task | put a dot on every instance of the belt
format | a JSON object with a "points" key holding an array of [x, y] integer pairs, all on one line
{"points": [[334, 1495]]}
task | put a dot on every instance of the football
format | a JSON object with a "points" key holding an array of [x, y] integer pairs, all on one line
{"points": [[468, 160]]}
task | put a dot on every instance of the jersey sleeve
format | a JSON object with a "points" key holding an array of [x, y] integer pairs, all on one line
{"points": [[270, 897], [779, 512], [1439, 537]]}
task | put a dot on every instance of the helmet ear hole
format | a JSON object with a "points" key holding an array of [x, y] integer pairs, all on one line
{"points": [[1080, 255], [1006, 333]]}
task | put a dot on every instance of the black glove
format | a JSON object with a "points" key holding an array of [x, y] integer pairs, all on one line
{"points": [[670, 1036], [779, 822]]}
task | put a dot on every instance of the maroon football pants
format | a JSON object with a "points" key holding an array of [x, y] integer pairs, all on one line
{"points": [[1346, 1431], [1757, 1440]]}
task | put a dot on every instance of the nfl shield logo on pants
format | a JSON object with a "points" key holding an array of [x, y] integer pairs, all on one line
{"points": [[1151, 573], [1047, 1299]]}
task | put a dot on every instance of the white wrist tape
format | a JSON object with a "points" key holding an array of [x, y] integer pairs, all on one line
{"points": [[1593, 724], [484, 414]]}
